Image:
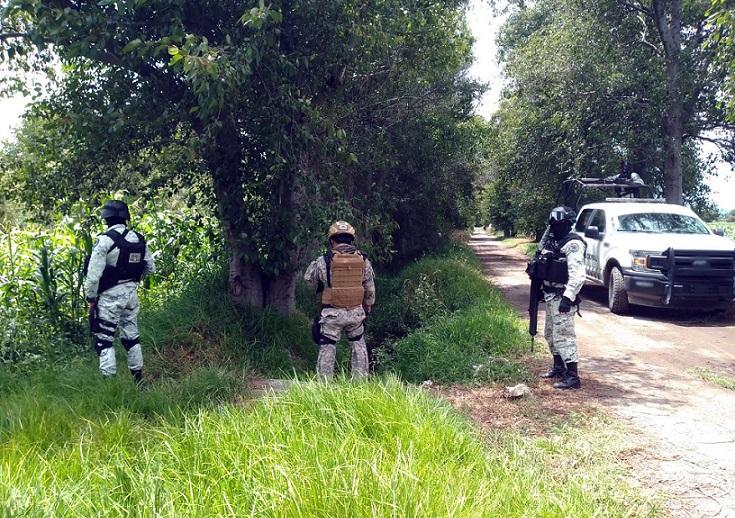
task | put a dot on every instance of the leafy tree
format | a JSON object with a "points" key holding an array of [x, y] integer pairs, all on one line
{"points": [[693, 78], [722, 41], [289, 114], [584, 94]]}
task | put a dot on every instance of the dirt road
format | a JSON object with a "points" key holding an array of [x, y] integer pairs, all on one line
{"points": [[640, 368]]}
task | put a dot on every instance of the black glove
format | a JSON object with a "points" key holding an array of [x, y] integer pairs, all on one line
{"points": [[565, 305], [93, 316]]}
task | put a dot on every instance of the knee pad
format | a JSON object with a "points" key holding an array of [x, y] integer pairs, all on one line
{"points": [[130, 343], [323, 340], [101, 344], [357, 338]]}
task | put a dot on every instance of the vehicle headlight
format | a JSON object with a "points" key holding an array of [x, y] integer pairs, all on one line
{"points": [[639, 260]]}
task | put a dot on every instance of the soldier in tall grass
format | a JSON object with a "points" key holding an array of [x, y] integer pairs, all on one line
{"points": [[119, 260], [345, 279]]}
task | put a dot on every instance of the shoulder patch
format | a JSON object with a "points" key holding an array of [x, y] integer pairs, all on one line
{"points": [[573, 247]]}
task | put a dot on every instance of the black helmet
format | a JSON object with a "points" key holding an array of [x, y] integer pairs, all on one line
{"points": [[559, 214], [115, 209]]}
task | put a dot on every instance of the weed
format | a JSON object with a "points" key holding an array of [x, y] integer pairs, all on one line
{"points": [[705, 374]]}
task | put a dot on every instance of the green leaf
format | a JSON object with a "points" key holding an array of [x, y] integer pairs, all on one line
{"points": [[132, 46]]}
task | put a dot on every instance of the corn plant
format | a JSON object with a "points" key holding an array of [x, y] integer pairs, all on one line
{"points": [[42, 270]]}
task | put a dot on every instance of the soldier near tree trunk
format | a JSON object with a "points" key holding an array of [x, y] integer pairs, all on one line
{"points": [[346, 282], [560, 266], [119, 260]]}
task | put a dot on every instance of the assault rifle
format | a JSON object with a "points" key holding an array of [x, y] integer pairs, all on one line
{"points": [[93, 316], [534, 296]]}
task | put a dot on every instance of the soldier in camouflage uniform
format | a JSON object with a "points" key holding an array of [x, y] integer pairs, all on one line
{"points": [[566, 252], [119, 259], [345, 279]]}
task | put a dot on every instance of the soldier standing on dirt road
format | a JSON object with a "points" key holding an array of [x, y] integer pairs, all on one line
{"points": [[564, 251], [119, 260], [345, 279]]}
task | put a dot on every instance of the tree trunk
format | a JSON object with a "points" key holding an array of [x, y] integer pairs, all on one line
{"points": [[223, 156], [247, 283], [280, 292], [668, 14], [244, 280], [673, 138]]}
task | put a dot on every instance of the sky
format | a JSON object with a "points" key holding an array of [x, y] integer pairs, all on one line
{"points": [[484, 25]]}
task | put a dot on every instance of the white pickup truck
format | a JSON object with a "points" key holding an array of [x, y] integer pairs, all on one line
{"points": [[655, 254]]}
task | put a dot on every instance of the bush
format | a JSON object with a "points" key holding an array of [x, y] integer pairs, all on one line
{"points": [[202, 326], [440, 319]]}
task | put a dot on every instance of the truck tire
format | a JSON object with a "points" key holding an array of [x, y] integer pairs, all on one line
{"points": [[617, 297]]}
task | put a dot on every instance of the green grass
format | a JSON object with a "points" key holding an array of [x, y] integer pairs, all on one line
{"points": [[523, 243], [73, 445], [440, 319], [705, 374], [201, 326]]}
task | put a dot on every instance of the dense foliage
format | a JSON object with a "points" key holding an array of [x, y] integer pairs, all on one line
{"points": [[589, 86], [43, 312], [722, 16], [286, 115]]}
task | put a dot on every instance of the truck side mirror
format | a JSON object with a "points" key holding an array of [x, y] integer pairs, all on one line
{"points": [[592, 232], [719, 232]]}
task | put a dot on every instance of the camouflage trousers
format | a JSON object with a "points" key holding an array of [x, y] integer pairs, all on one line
{"points": [[559, 329], [332, 323], [118, 307]]}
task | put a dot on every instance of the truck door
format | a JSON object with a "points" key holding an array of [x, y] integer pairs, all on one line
{"points": [[579, 228], [595, 246]]}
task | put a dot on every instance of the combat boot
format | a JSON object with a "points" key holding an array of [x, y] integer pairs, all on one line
{"points": [[557, 371], [138, 377], [571, 378]]}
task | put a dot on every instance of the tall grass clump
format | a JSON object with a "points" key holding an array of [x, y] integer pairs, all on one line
{"points": [[364, 449], [202, 326], [440, 319]]}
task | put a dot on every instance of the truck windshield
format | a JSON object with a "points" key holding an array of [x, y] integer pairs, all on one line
{"points": [[660, 222]]}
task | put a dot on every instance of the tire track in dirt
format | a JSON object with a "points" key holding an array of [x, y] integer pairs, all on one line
{"points": [[638, 367]]}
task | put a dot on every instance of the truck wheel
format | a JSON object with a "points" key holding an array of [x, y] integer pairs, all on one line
{"points": [[617, 297]]}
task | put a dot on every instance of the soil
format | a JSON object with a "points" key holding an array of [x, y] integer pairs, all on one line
{"points": [[639, 368]]}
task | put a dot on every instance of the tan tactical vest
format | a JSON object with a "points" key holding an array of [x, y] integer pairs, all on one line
{"points": [[345, 272]]}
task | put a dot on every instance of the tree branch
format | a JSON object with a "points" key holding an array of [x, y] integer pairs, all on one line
{"points": [[11, 35], [664, 30], [635, 8], [652, 46], [723, 145]]}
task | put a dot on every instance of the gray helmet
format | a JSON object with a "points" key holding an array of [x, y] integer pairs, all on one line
{"points": [[115, 209], [559, 214]]}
